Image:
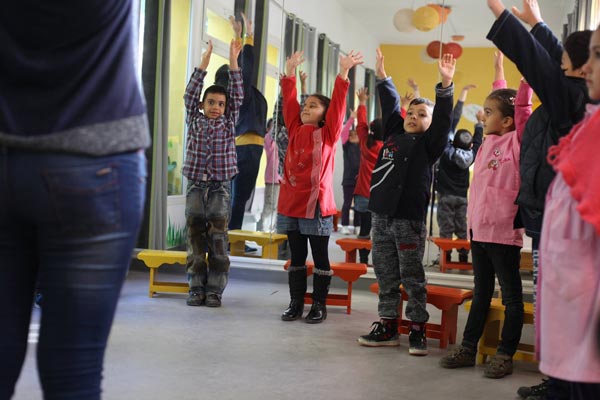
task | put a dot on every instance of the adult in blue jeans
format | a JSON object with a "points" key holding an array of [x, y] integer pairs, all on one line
{"points": [[72, 184]]}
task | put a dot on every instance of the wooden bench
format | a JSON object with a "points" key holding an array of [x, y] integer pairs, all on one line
{"points": [[490, 338], [351, 245], [447, 300], [448, 244], [268, 241], [349, 272], [156, 258]]}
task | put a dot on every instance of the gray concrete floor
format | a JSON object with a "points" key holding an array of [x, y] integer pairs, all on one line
{"points": [[161, 349]]}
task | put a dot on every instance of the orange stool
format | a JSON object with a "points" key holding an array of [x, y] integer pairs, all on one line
{"points": [[447, 244], [348, 272], [444, 298], [350, 245]]}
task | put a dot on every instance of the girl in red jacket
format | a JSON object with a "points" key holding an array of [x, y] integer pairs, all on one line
{"points": [[306, 204]]}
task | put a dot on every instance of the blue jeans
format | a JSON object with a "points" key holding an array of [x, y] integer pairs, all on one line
{"points": [[490, 260], [206, 214], [248, 162], [69, 223]]}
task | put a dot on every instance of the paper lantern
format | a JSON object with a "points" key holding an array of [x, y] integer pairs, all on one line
{"points": [[425, 57], [453, 48], [433, 49], [443, 11], [403, 20], [458, 38], [425, 18]]}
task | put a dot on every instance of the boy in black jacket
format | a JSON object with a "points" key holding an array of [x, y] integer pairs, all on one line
{"points": [[400, 191]]}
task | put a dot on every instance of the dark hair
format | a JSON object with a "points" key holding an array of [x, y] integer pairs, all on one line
{"points": [[324, 100], [462, 139], [222, 76], [270, 123], [376, 127], [577, 46], [217, 89], [506, 101], [421, 100]]}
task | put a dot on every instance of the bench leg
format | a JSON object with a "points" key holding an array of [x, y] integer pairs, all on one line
{"points": [[270, 250], [349, 307], [151, 283], [448, 326], [237, 248]]}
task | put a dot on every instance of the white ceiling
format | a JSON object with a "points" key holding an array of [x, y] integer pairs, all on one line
{"points": [[471, 18]]}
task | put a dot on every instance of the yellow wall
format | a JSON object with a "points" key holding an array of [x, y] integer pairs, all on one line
{"points": [[476, 66]]}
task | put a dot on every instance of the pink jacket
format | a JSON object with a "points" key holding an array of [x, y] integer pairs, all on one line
{"points": [[569, 276], [491, 209], [272, 153]]}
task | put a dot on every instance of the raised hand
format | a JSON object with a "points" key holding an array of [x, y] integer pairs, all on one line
{"points": [[353, 114], [379, 67], [406, 99], [206, 57], [350, 60], [248, 25], [464, 91], [412, 84], [531, 13], [292, 62], [235, 47], [236, 26], [447, 66], [303, 76], [498, 66], [496, 6], [479, 115], [363, 95], [469, 87]]}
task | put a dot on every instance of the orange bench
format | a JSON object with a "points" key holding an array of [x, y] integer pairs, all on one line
{"points": [[447, 244], [350, 245], [444, 298], [348, 272]]}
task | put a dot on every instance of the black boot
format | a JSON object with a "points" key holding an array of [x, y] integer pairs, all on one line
{"points": [[321, 282], [294, 310], [297, 282], [317, 313]]}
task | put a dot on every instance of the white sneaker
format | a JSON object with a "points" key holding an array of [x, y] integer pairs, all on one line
{"points": [[346, 230]]}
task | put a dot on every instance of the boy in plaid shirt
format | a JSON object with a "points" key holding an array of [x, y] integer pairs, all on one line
{"points": [[210, 165]]}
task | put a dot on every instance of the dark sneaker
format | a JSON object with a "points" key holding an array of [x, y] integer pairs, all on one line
{"points": [[384, 333], [499, 366], [417, 342], [459, 357], [213, 300], [534, 392], [195, 299]]}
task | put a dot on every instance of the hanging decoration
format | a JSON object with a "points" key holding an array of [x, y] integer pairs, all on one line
{"points": [[426, 58], [452, 48], [443, 11], [458, 38], [433, 49], [403, 20], [425, 18]]}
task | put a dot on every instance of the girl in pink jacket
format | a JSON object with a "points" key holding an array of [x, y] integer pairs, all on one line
{"points": [[495, 244]]}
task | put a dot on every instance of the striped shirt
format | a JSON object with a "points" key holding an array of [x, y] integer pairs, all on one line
{"points": [[210, 147]]}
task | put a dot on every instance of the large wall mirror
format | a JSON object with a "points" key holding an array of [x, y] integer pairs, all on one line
{"points": [[323, 30]]}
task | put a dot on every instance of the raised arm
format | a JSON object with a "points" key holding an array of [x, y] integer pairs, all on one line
{"points": [[478, 134], [362, 127], [347, 126], [458, 107], [532, 16], [388, 96], [193, 90], [337, 107], [235, 89], [437, 134], [549, 82], [523, 107], [291, 108]]}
